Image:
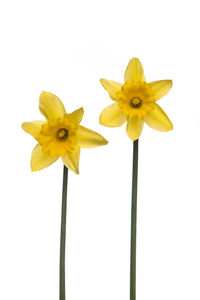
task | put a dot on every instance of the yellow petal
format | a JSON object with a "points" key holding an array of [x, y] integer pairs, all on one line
{"points": [[160, 88], [76, 116], [71, 160], [112, 87], [51, 106], [112, 116], [134, 71], [134, 128], [157, 119], [33, 128], [40, 160], [89, 139]]}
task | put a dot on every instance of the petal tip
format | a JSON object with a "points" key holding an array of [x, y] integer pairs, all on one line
{"points": [[101, 122], [33, 168], [133, 139], [135, 59], [75, 170], [76, 116], [170, 83], [103, 142], [103, 81], [23, 125], [171, 126], [43, 93], [134, 128], [112, 116], [82, 109], [100, 118], [134, 71]]}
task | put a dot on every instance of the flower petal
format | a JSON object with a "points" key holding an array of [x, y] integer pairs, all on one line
{"points": [[112, 116], [33, 128], [160, 88], [76, 116], [134, 71], [41, 160], [89, 139], [112, 87], [71, 160], [51, 106], [134, 128], [157, 119]]}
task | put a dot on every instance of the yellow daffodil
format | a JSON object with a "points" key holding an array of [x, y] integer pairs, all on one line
{"points": [[60, 135], [135, 102]]}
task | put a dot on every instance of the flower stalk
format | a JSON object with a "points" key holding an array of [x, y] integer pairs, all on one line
{"points": [[63, 233], [134, 222]]}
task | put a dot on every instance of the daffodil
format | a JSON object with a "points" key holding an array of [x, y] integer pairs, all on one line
{"points": [[135, 102], [61, 135]]}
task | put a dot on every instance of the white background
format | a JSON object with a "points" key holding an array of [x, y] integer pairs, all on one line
{"points": [[65, 47]]}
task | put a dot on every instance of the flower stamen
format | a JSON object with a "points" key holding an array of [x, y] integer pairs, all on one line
{"points": [[135, 102], [62, 134]]}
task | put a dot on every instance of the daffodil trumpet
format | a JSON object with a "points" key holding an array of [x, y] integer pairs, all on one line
{"points": [[135, 102], [61, 135]]}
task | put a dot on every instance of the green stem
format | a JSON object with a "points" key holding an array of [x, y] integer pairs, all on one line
{"points": [[134, 222], [63, 234]]}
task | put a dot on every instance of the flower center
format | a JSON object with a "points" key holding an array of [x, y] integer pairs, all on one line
{"points": [[135, 102], [62, 134]]}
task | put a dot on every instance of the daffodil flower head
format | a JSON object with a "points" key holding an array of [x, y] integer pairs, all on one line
{"points": [[135, 102], [60, 135]]}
